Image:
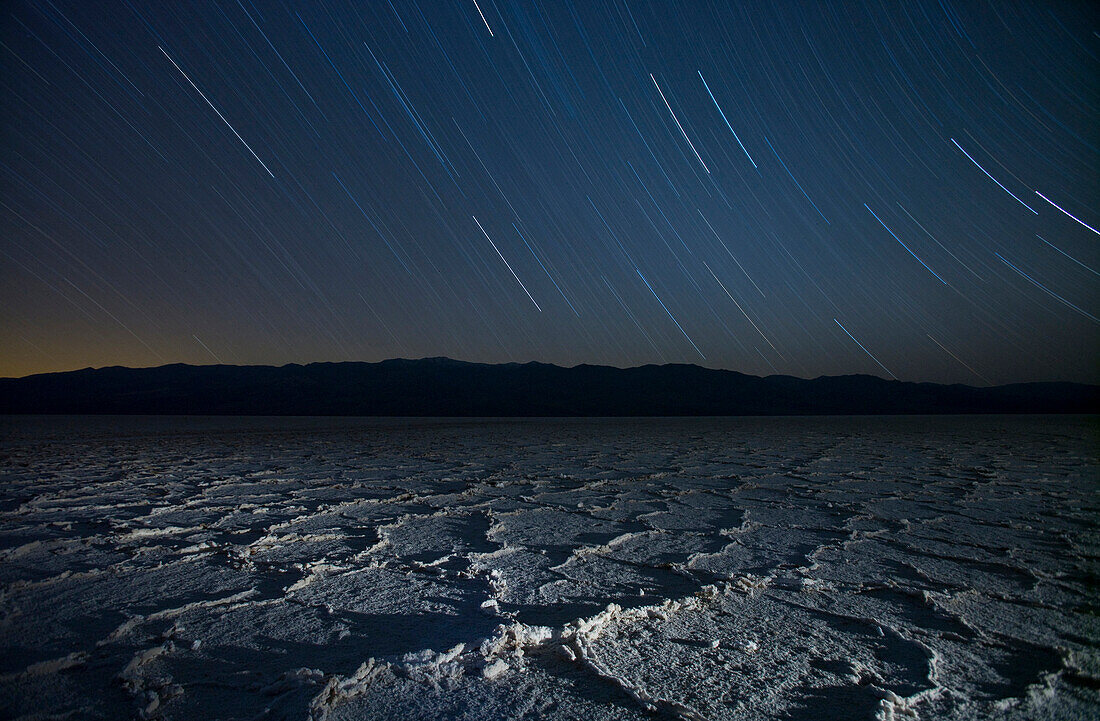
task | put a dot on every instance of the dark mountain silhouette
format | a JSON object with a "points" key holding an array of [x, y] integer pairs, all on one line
{"points": [[444, 387]]}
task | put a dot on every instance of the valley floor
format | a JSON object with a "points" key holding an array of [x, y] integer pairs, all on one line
{"points": [[772, 568]]}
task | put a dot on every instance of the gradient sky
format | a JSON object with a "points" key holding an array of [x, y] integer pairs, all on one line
{"points": [[908, 189]]}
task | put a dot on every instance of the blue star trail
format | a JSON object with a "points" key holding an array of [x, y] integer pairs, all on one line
{"points": [[263, 183]]}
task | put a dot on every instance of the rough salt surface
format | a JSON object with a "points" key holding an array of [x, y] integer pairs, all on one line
{"points": [[877, 568]]}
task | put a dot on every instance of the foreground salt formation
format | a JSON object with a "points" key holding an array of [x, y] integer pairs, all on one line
{"points": [[695, 569]]}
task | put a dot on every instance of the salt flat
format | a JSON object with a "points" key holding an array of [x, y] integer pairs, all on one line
{"points": [[180, 568]]}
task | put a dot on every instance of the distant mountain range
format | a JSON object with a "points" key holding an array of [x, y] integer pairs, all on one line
{"points": [[445, 387]]}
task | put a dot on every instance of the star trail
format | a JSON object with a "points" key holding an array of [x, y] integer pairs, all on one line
{"points": [[751, 186]]}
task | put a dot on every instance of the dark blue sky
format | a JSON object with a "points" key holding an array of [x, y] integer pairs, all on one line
{"points": [[905, 189]]}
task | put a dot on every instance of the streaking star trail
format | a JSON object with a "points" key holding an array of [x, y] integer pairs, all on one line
{"points": [[506, 264], [708, 183], [227, 123]]}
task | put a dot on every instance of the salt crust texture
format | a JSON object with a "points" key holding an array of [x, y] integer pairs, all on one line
{"points": [[324, 569]]}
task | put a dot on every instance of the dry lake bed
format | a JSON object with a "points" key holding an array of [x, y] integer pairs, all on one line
{"points": [[713, 568]]}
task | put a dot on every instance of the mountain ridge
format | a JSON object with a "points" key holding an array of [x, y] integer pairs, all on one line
{"points": [[442, 386]]}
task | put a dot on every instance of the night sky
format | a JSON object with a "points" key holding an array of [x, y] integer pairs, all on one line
{"points": [[908, 189]]}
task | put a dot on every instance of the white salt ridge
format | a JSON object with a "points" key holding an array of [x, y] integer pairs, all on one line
{"points": [[341, 690], [149, 690], [51, 666], [505, 650], [579, 639]]}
